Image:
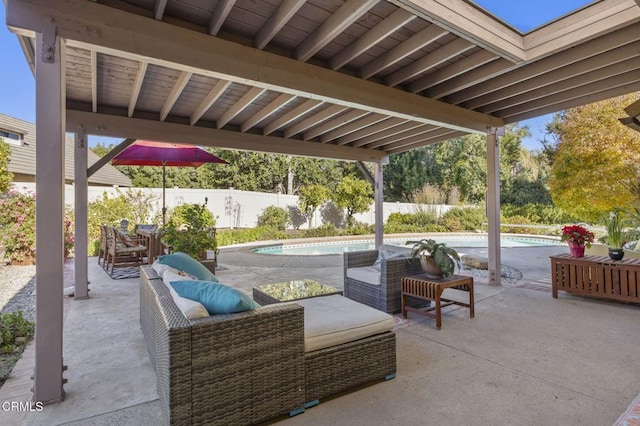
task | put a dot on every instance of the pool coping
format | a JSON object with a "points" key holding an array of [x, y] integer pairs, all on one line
{"points": [[247, 248]]}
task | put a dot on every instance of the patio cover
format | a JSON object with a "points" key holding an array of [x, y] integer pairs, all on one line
{"points": [[355, 80]]}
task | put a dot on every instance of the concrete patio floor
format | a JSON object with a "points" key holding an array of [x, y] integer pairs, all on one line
{"points": [[525, 359]]}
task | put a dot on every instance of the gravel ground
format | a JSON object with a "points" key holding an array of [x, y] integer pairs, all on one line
{"points": [[17, 290]]}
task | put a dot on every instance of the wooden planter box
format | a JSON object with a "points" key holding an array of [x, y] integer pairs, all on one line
{"points": [[210, 264], [596, 276]]}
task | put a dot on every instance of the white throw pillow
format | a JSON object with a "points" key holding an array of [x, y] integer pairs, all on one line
{"points": [[160, 269], [191, 309]]}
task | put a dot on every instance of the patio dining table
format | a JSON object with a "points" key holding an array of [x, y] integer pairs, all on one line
{"points": [[151, 239]]}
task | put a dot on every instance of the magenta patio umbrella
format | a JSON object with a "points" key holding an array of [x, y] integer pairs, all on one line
{"points": [[151, 153]]}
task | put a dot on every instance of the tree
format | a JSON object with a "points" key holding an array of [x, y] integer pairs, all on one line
{"points": [[254, 171], [523, 191], [405, 174], [101, 150], [354, 195], [6, 177], [461, 164], [311, 197], [595, 169]]}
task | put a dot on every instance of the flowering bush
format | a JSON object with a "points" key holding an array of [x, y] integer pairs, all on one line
{"points": [[577, 234], [18, 222], [18, 227], [69, 237]]}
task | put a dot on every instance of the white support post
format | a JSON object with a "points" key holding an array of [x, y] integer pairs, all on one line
{"points": [[378, 201], [81, 183], [50, 131], [493, 204]]}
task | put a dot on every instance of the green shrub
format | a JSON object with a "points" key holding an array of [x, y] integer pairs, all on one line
{"points": [[189, 230], [359, 228], [396, 219], [463, 219], [227, 237], [539, 213], [451, 223], [192, 215], [424, 218], [404, 229], [274, 217], [421, 218], [518, 220], [325, 230], [15, 331]]}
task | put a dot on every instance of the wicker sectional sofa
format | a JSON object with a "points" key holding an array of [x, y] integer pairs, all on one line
{"points": [[248, 367]]}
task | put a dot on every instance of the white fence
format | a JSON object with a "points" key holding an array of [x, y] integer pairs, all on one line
{"points": [[240, 209]]}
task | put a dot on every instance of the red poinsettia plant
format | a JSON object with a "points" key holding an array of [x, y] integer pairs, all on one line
{"points": [[578, 235]]}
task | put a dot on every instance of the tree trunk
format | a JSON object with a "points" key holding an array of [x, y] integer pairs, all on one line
{"points": [[289, 176]]}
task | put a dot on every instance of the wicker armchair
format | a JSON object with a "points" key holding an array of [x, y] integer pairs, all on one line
{"points": [[385, 297]]}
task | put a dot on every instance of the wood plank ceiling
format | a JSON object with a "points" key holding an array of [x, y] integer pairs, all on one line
{"points": [[361, 78]]}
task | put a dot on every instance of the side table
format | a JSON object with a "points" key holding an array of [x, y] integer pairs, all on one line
{"points": [[422, 287]]}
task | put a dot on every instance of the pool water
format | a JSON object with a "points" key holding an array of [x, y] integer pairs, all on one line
{"points": [[456, 241]]}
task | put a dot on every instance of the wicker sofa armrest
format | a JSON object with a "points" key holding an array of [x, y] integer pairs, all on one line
{"points": [[391, 273], [398, 267], [249, 366]]}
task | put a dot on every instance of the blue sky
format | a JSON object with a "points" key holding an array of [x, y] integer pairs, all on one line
{"points": [[526, 15], [17, 85]]}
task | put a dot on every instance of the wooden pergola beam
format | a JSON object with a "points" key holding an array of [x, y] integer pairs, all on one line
{"points": [[133, 37], [137, 128]]}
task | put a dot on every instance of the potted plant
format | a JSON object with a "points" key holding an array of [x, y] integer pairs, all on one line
{"points": [[577, 237], [437, 259], [615, 233], [190, 230]]}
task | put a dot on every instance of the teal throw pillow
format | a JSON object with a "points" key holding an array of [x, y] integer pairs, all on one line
{"points": [[215, 297], [188, 264]]}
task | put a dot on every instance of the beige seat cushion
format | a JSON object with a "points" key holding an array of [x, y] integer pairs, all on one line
{"points": [[334, 320], [367, 274]]}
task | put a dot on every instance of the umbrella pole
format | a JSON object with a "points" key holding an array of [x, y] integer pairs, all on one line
{"points": [[164, 208]]}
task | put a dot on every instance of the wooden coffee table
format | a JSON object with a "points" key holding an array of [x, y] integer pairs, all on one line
{"points": [[423, 287], [291, 290]]}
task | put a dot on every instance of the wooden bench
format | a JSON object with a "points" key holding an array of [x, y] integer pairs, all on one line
{"points": [[596, 276]]}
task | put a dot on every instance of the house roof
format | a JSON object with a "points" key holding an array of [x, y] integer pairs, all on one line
{"points": [[355, 79], [23, 157]]}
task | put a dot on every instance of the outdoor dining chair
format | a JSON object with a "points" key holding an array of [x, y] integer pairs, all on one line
{"points": [[123, 253]]}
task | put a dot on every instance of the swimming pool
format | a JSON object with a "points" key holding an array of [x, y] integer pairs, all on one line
{"points": [[456, 241]]}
